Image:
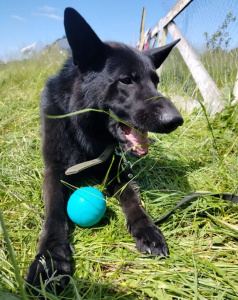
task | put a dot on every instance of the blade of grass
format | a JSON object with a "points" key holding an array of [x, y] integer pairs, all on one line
{"points": [[13, 260]]}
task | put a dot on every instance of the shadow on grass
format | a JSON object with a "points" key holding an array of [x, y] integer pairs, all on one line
{"points": [[165, 174], [94, 290], [79, 289]]}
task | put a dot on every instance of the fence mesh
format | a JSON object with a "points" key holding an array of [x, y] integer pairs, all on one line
{"points": [[211, 29]]}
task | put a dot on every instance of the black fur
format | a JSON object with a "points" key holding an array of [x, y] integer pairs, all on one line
{"points": [[119, 80]]}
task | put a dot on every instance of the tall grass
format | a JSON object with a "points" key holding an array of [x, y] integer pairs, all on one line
{"points": [[202, 235], [221, 65]]}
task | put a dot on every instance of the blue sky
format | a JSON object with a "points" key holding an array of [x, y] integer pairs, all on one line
{"points": [[24, 22]]}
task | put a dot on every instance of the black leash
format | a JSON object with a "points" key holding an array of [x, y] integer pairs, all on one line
{"points": [[225, 196]]}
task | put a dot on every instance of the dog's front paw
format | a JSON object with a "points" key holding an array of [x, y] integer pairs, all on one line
{"points": [[45, 269], [148, 237]]}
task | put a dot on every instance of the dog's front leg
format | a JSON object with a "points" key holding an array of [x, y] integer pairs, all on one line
{"points": [[147, 235], [54, 253]]}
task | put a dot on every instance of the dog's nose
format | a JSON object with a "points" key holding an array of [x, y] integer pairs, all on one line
{"points": [[171, 121]]}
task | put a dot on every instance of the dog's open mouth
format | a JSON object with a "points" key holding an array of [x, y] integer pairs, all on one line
{"points": [[135, 142]]}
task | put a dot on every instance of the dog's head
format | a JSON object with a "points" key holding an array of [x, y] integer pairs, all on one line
{"points": [[123, 81]]}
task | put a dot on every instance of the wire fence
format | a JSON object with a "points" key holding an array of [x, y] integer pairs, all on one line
{"points": [[211, 29]]}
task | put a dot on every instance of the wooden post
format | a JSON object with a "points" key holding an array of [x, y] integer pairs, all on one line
{"points": [[235, 91], [176, 10], [162, 38], [142, 29], [210, 92], [161, 28]]}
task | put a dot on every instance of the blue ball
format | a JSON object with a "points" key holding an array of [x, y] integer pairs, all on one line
{"points": [[86, 206]]}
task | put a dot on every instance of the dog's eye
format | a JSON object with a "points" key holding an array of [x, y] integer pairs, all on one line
{"points": [[125, 80]]}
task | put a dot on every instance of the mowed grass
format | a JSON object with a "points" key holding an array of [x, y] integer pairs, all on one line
{"points": [[202, 235]]}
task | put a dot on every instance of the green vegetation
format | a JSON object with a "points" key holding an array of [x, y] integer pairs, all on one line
{"points": [[222, 65], [221, 38], [202, 235]]}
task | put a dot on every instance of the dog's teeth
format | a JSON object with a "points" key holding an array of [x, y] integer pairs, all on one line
{"points": [[134, 148]]}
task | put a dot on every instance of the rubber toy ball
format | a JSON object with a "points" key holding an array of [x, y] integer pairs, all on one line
{"points": [[86, 206]]}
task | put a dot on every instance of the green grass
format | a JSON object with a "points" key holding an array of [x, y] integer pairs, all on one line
{"points": [[221, 65], [202, 235]]}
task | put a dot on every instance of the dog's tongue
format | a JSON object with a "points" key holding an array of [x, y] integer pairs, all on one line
{"points": [[139, 140]]}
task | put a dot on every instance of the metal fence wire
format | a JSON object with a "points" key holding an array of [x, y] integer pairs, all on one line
{"points": [[211, 29]]}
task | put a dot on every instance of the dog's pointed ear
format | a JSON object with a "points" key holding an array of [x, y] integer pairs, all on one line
{"points": [[158, 55], [87, 48]]}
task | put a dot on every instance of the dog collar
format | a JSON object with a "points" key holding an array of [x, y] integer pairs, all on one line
{"points": [[90, 163]]}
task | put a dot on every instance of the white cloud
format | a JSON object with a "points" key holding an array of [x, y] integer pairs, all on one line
{"points": [[17, 18], [47, 8], [51, 16]]}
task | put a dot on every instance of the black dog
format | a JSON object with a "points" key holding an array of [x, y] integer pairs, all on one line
{"points": [[122, 82]]}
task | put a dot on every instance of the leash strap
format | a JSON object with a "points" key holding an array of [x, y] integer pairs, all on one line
{"points": [[225, 196], [87, 164]]}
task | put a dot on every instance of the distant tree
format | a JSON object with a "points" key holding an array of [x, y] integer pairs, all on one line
{"points": [[221, 38]]}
